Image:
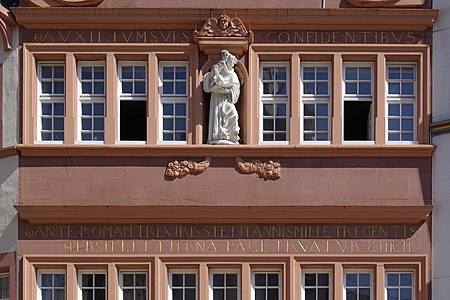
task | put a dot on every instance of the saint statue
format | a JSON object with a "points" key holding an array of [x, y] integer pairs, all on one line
{"points": [[223, 84]]}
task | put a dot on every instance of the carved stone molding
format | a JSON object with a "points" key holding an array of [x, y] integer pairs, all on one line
{"points": [[266, 170], [180, 169], [223, 33]]}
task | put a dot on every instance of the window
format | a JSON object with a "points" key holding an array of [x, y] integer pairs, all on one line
{"points": [[316, 285], [315, 97], [51, 102], [401, 100], [52, 285], [92, 285], [358, 102], [173, 101], [224, 285], [133, 285], [133, 101], [4, 286], [266, 285], [400, 285], [274, 103], [183, 285], [91, 89], [358, 285]]}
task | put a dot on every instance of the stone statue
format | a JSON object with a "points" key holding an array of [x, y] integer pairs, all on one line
{"points": [[223, 84]]}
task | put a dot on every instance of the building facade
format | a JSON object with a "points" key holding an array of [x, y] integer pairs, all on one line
{"points": [[125, 191], [441, 139]]}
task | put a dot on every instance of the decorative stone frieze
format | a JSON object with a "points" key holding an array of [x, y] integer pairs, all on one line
{"points": [[266, 170], [223, 33], [180, 169]]}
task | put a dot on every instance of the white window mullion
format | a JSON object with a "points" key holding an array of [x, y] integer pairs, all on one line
{"points": [[316, 105], [173, 108], [275, 104]]}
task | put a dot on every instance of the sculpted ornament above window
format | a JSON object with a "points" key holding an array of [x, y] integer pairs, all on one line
{"points": [[386, 3], [224, 27]]}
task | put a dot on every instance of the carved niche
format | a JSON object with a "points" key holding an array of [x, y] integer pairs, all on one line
{"points": [[231, 32]]}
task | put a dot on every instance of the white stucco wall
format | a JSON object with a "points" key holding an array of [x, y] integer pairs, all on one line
{"points": [[441, 158], [9, 190], [10, 88]]}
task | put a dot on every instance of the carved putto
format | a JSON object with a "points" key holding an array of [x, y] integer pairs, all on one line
{"points": [[266, 170], [223, 27], [180, 169]]}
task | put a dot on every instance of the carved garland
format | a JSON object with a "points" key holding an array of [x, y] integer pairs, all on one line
{"points": [[180, 169], [266, 170]]}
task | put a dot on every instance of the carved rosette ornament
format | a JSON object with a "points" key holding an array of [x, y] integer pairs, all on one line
{"points": [[232, 30], [266, 170], [180, 169]]}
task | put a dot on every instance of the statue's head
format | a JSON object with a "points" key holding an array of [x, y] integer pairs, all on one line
{"points": [[228, 58]]}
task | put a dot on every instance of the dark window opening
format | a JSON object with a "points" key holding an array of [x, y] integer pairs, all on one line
{"points": [[357, 121], [133, 120]]}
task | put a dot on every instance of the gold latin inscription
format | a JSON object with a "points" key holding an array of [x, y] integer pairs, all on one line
{"points": [[342, 37], [237, 246], [153, 231]]}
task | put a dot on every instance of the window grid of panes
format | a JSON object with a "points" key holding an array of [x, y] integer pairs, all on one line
{"points": [[134, 285], [266, 285], [4, 286], [133, 79], [358, 286], [52, 285], [400, 285], [224, 285], [275, 102], [92, 100], [93, 286], [358, 80], [316, 285], [401, 99], [51, 98], [174, 99], [316, 102], [183, 285]]}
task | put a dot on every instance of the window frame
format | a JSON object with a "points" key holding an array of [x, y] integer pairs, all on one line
{"points": [[400, 271], [91, 271], [274, 99], [8, 287], [224, 271], [316, 99], [182, 271], [91, 98], [267, 271], [359, 98], [130, 97], [173, 98], [317, 271], [400, 99], [49, 98], [132, 271], [359, 271], [40, 272]]}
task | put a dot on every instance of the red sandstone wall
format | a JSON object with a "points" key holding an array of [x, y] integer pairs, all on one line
{"points": [[141, 181]]}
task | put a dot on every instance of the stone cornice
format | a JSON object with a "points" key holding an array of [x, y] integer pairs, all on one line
{"points": [[275, 151], [7, 152], [254, 19], [227, 214]]}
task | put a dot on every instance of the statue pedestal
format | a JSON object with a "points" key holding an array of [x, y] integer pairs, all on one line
{"points": [[222, 142]]}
